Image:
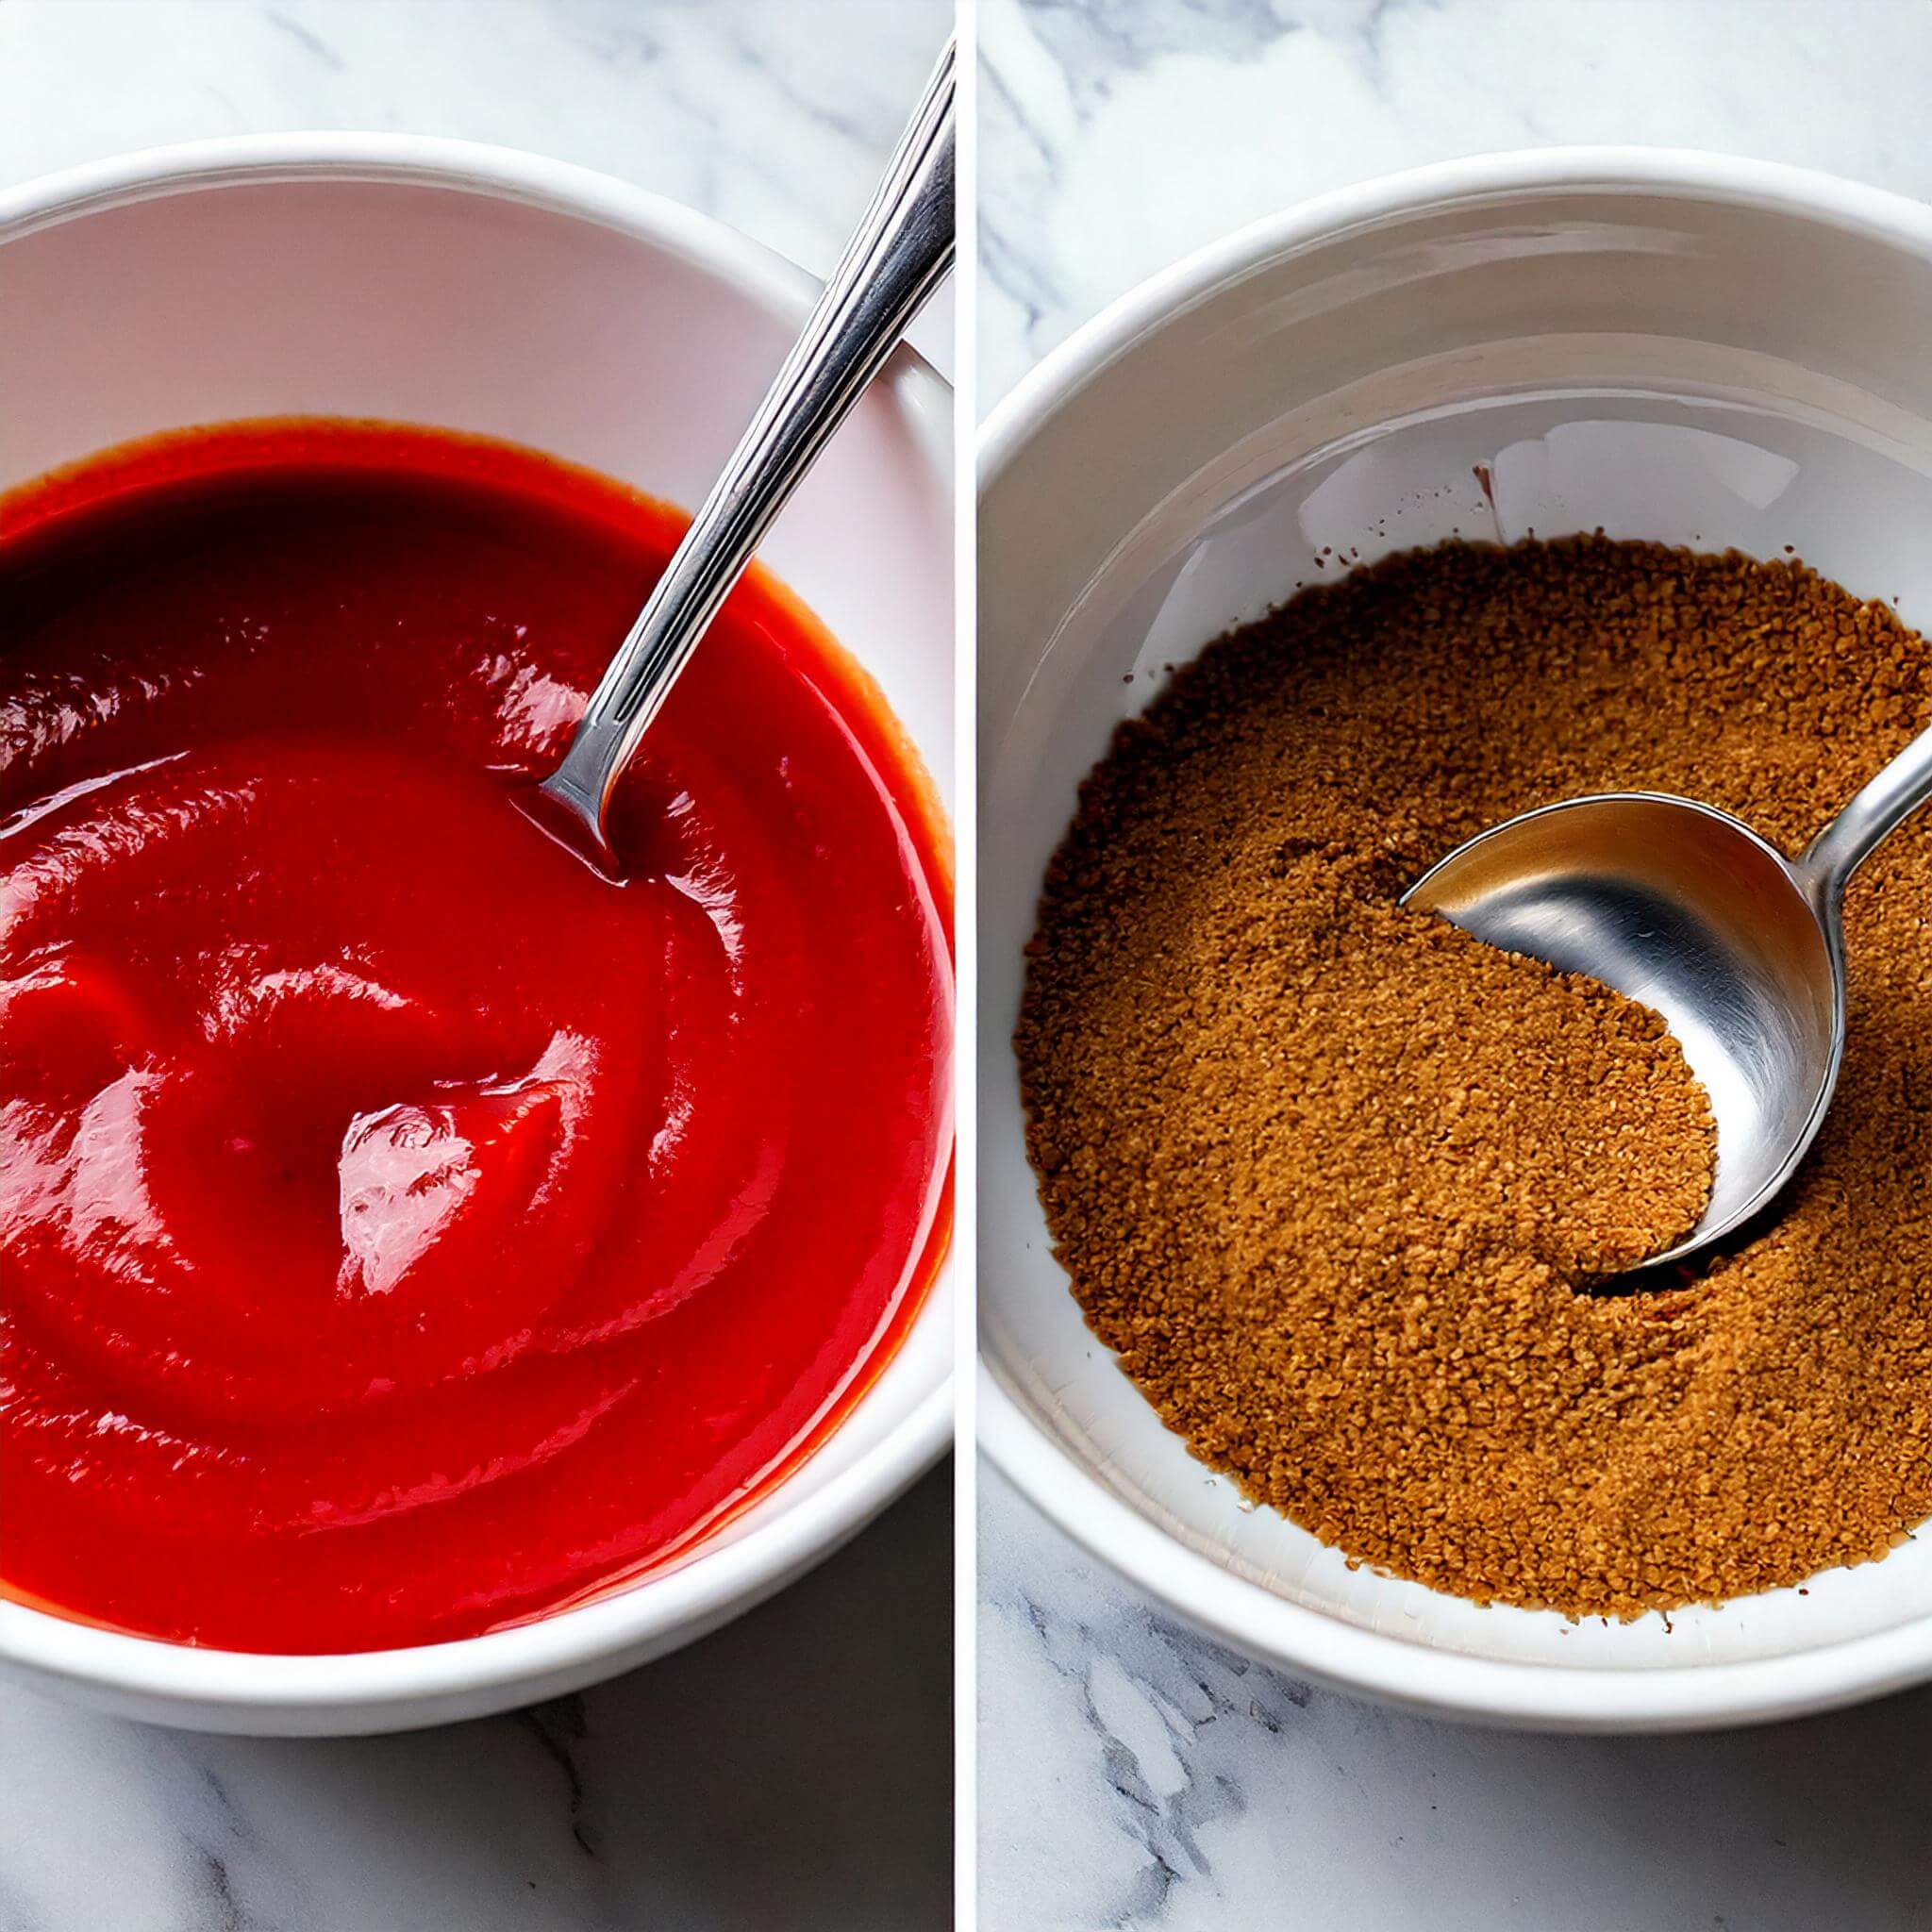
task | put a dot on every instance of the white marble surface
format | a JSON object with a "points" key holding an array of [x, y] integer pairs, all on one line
{"points": [[1130, 1774], [1118, 135], [793, 1772], [773, 115], [1134, 1776]]}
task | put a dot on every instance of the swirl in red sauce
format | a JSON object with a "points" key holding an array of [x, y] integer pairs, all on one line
{"points": [[402, 1230]]}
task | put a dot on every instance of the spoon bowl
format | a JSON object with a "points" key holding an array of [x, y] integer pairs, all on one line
{"points": [[1687, 912]]}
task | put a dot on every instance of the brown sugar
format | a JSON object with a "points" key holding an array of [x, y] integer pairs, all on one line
{"points": [[1340, 1185]]}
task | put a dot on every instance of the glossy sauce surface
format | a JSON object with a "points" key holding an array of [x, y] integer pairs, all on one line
{"points": [[405, 1231]]}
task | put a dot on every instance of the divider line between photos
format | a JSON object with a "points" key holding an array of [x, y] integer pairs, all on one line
{"points": [[966, 932]]}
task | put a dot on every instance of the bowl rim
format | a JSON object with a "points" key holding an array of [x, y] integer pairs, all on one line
{"points": [[1241, 1613], [188, 1684]]}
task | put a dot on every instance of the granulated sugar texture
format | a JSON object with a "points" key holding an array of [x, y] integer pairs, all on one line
{"points": [[1337, 1181]]}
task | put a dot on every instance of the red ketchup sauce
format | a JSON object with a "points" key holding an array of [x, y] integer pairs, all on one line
{"points": [[405, 1231]]}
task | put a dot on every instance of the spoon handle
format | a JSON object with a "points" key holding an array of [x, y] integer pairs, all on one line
{"points": [[1876, 810], [899, 255]]}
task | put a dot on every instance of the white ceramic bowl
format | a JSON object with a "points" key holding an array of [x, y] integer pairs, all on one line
{"points": [[1671, 345], [499, 293]]}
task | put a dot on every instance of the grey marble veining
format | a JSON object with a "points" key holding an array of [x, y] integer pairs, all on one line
{"points": [[1132, 1774], [773, 115], [791, 1774], [1118, 134]]}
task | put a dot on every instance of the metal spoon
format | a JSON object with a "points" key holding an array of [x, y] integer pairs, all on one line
{"points": [[898, 255], [1687, 912]]}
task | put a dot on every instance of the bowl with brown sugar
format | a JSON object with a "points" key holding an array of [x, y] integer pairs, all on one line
{"points": [[1305, 1219]]}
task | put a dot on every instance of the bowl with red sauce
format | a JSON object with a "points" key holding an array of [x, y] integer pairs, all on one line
{"points": [[434, 1276]]}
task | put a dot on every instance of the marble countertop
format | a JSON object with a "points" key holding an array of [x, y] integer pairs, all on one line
{"points": [[1118, 134], [793, 1772], [1131, 1775]]}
